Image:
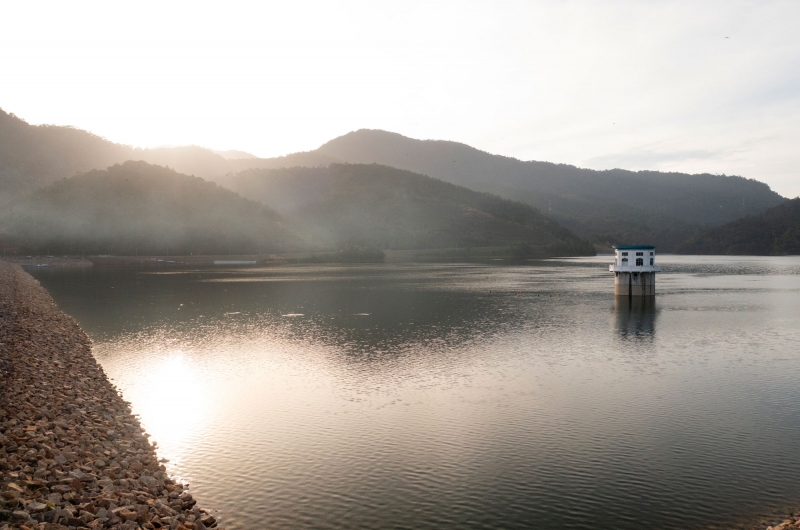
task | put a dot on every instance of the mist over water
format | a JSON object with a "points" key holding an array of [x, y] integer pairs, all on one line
{"points": [[461, 396]]}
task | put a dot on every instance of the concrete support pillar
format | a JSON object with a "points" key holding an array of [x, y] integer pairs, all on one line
{"points": [[635, 283]]}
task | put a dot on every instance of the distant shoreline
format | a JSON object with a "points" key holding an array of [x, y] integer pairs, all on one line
{"points": [[49, 261], [432, 255]]}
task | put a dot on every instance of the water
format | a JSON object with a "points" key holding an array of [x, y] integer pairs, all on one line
{"points": [[461, 396]]}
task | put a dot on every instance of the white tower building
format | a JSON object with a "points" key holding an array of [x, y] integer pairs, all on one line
{"points": [[634, 270]]}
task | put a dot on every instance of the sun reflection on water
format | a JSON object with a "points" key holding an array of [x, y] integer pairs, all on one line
{"points": [[170, 398]]}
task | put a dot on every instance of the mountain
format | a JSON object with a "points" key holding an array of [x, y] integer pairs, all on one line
{"points": [[775, 232], [140, 208], [234, 154], [32, 156], [614, 205], [609, 207], [379, 206], [35, 157]]}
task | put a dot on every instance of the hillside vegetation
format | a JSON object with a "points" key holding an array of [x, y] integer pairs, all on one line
{"points": [[775, 232], [617, 206], [137, 208], [608, 207], [379, 206], [33, 156]]}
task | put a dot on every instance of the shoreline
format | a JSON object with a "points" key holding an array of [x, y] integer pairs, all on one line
{"points": [[49, 261], [72, 455], [329, 257]]}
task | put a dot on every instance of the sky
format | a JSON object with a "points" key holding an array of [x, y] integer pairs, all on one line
{"points": [[673, 86]]}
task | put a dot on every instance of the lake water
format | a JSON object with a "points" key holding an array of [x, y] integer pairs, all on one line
{"points": [[461, 396]]}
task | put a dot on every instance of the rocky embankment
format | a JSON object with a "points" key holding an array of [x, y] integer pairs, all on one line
{"points": [[788, 524], [71, 453]]}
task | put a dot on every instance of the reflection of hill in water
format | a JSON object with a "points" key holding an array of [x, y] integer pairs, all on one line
{"points": [[635, 317], [393, 325], [367, 320]]}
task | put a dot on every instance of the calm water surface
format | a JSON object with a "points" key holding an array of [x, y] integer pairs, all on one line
{"points": [[461, 396]]}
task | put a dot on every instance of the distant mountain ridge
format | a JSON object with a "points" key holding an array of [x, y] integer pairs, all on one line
{"points": [[33, 156], [389, 208], [138, 208], [614, 206], [775, 232]]}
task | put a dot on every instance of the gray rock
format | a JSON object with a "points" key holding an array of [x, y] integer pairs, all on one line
{"points": [[36, 507], [20, 516], [50, 516]]}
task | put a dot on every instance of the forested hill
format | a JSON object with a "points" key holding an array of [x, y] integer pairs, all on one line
{"points": [[618, 205], [775, 232], [380, 206], [139, 208], [615, 206], [33, 156]]}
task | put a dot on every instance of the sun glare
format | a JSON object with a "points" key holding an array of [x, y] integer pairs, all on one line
{"points": [[171, 401]]}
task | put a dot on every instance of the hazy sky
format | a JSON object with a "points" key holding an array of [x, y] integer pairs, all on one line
{"points": [[687, 86]]}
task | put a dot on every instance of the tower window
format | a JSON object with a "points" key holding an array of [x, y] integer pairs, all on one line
{"points": [[624, 253], [639, 262], [624, 260], [651, 261], [640, 253]]}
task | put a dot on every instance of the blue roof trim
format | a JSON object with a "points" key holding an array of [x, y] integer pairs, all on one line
{"points": [[634, 247]]}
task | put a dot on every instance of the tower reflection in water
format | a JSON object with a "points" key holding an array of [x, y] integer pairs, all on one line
{"points": [[635, 317]]}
